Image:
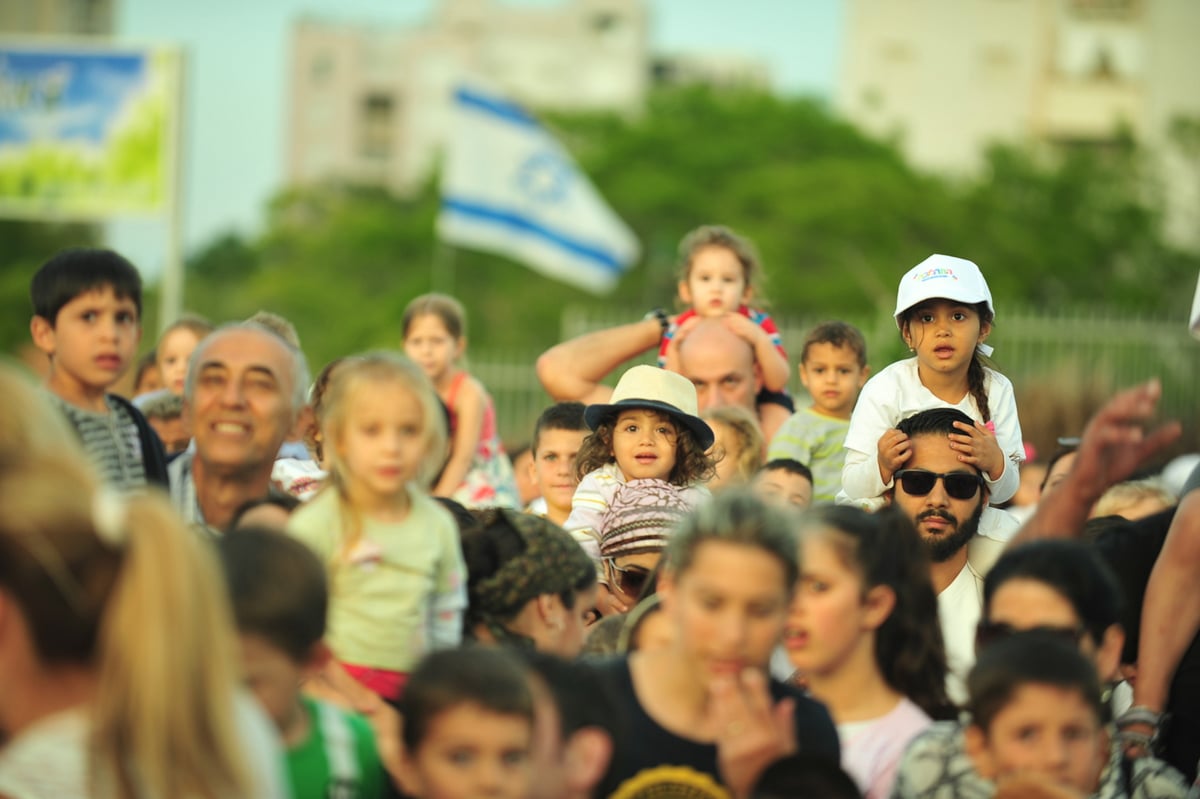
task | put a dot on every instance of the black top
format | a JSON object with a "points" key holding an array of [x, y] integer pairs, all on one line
{"points": [[1131, 548], [658, 757]]}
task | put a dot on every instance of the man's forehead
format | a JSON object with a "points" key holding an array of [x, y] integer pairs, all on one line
{"points": [[248, 349], [932, 451]]}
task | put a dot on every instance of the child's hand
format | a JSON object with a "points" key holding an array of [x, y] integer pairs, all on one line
{"points": [[742, 327], [977, 445], [607, 603], [752, 730], [894, 450]]}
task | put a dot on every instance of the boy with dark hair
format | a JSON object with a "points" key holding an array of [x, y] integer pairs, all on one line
{"points": [[279, 598], [784, 481], [833, 367], [557, 437], [87, 307]]}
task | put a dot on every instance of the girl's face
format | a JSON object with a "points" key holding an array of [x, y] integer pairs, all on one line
{"points": [[644, 444], [470, 751], [429, 344], [727, 608], [173, 353], [726, 441], [715, 283], [383, 441], [1047, 730], [944, 334], [830, 618]]}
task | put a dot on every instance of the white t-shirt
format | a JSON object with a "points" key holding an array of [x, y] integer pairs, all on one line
{"points": [[897, 393], [960, 606]]}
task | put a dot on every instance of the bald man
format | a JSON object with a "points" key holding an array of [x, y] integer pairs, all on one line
{"points": [[714, 358]]}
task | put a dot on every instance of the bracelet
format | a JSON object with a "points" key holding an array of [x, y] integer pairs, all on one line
{"points": [[661, 316], [1140, 714]]}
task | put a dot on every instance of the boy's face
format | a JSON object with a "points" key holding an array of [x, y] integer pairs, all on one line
{"points": [[274, 678], [92, 342], [833, 377], [716, 282], [173, 432], [784, 488], [469, 752], [553, 466], [1045, 730]]}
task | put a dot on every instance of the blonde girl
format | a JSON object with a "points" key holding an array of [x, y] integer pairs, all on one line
{"points": [[944, 311], [116, 641], [864, 637], [477, 473], [396, 574], [738, 448], [175, 347]]}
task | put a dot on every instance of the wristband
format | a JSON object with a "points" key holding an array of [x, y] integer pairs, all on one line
{"points": [[661, 316]]}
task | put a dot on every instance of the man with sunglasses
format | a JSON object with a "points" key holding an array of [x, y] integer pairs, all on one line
{"points": [[947, 501]]}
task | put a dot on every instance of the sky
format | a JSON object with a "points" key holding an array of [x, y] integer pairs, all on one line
{"points": [[236, 85]]}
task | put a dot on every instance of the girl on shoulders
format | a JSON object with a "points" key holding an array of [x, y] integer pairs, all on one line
{"points": [[944, 312], [478, 473]]}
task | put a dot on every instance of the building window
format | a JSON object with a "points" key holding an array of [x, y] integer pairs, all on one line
{"points": [[377, 115]]}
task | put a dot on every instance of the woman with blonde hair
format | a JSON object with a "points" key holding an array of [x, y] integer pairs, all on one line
{"points": [[116, 641]]}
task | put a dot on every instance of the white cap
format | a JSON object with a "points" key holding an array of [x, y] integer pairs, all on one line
{"points": [[942, 277]]}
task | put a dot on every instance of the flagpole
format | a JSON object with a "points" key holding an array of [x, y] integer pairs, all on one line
{"points": [[443, 268]]}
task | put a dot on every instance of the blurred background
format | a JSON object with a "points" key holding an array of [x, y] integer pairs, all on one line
{"points": [[1054, 142]]}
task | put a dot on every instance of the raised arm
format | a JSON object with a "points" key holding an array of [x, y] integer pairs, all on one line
{"points": [[573, 369], [1115, 443], [1171, 610]]}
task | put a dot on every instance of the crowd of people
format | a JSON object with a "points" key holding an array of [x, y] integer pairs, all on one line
{"points": [[245, 582]]}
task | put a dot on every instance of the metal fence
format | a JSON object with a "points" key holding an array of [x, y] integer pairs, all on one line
{"points": [[1063, 366]]}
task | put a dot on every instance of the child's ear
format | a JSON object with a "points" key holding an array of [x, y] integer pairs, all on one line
{"points": [[685, 293], [863, 374], [42, 333], [588, 752], [975, 744], [878, 604], [985, 330], [305, 420], [318, 658], [551, 611], [460, 347]]}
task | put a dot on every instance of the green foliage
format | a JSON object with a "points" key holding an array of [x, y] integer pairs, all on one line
{"points": [[836, 215]]}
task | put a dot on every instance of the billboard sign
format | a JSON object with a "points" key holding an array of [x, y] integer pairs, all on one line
{"points": [[86, 131]]}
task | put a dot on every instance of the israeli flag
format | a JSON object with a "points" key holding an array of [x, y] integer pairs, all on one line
{"points": [[509, 188]]}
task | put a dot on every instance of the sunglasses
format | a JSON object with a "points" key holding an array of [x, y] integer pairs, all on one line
{"points": [[919, 482], [629, 581], [989, 632]]}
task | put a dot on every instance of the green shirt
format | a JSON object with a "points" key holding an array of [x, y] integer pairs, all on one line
{"points": [[818, 442], [337, 760]]}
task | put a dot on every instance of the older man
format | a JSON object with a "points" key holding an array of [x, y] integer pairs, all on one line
{"points": [[714, 358], [245, 389]]}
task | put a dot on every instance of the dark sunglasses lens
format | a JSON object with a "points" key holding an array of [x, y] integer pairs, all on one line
{"points": [[960, 486], [917, 484], [631, 581]]}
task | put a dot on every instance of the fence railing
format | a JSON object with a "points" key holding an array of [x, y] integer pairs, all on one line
{"points": [[1062, 365]]}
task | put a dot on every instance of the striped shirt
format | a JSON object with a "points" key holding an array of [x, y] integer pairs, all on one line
{"points": [[111, 441]]}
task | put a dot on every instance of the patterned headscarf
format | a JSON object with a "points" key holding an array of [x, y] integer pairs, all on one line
{"points": [[552, 563], [640, 517]]}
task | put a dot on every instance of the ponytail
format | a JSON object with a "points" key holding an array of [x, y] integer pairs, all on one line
{"points": [[163, 721], [976, 370]]}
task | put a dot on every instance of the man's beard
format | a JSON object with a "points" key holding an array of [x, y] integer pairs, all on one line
{"points": [[943, 547]]}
